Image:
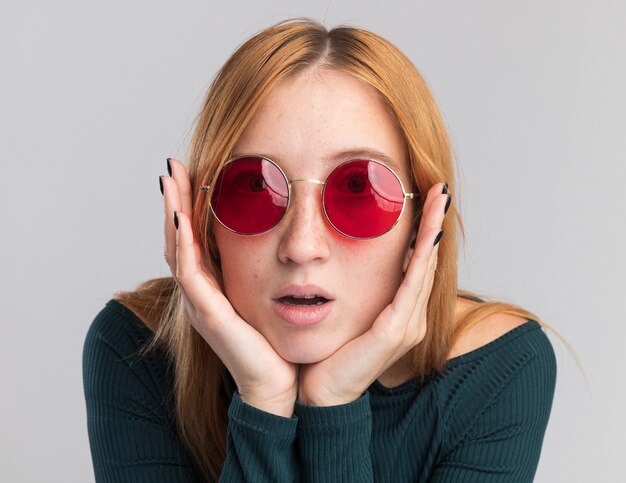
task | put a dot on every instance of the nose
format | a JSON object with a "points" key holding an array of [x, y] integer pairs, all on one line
{"points": [[305, 232]]}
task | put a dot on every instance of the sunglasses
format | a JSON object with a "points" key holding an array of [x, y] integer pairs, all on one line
{"points": [[361, 198]]}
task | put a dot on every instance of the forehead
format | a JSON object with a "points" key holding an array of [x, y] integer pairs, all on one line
{"points": [[315, 120]]}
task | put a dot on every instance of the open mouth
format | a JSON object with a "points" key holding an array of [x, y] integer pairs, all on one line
{"points": [[305, 300]]}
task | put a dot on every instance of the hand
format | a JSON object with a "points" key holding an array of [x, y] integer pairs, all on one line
{"points": [[344, 376], [263, 378]]}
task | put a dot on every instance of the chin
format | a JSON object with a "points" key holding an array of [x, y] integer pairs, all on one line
{"points": [[305, 353]]}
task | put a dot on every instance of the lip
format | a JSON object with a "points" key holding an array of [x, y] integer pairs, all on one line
{"points": [[302, 290], [302, 316]]}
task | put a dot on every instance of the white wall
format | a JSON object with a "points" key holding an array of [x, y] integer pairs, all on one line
{"points": [[95, 96]]}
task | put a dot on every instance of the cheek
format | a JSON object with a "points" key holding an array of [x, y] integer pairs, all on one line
{"points": [[365, 275], [242, 268], [372, 276]]}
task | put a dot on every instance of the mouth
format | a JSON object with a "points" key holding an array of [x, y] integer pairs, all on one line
{"points": [[303, 300], [303, 305]]}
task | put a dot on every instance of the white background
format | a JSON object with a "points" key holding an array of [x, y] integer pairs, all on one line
{"points": [[95, 96]]}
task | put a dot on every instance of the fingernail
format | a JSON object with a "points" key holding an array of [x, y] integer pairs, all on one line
{"points": [[438, 237], [445, 188], [447, 204], [169, 168], [161, 184], [176, 220]]}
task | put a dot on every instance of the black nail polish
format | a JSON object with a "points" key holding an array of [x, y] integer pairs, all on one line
{"points": [[169, 168], [445, 188], [161, 184], [438, 237], [447, 204], [176, 220]]}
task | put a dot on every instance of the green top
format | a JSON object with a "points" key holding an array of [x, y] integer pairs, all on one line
{"points": [[482, 420]]}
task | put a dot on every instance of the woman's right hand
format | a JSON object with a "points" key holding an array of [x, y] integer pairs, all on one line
{"points": [[264, 379]]}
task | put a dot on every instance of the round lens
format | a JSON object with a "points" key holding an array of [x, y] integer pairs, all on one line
{"points": [[363, 199], [250, 195]]}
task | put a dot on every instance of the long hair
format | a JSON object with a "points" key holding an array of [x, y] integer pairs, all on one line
{"points": [[202, 385]]}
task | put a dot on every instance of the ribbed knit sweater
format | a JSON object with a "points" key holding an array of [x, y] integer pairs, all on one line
{"points": [[482, 419]]}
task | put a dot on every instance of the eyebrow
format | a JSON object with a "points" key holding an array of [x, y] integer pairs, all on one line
{"points": [[365, 153], [351, 154]]}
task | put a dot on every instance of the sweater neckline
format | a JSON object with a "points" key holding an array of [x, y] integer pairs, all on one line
{"points": [[417, 382]]}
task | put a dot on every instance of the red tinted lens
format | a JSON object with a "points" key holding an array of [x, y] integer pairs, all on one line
{"points": [[250, 195], [363, 199]]}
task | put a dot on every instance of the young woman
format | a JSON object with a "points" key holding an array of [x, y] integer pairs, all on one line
{"points": [[312, 329]]}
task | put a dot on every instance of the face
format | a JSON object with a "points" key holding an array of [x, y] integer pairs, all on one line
{"points": [[306, 125]]}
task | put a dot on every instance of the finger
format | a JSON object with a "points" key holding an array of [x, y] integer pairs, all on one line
{"points": [[432, 211], [220, 325], [407, 296], [190, 273], [429, 280], [180, 176], [432, 196], [418, 321], [171, 203]]}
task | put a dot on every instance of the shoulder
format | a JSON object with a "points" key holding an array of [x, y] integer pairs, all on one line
{"points": [[117, 327], [495, 401], [131, 417], [506, 383], [506, 360], [113, 357], [499, 355], [484, 332]]}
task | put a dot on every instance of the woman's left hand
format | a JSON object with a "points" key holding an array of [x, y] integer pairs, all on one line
{"points": [[344, 376]]}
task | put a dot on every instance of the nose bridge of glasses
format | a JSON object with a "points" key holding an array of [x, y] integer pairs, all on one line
{"points": [[299, 208], [306, 180]]}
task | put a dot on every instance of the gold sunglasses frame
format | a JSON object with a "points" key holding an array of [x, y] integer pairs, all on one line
{"points": [[207, 188]]}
